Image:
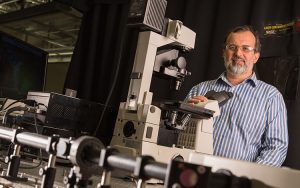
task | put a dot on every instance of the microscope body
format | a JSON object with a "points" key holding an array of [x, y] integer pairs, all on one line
{"points": [[198, 134], [143, 133], [139, 128]]}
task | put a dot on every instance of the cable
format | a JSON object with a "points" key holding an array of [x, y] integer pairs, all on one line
{"points": [[25, 101], [113, 84], [41, 104], [9, 110], [13, 109], [40, 150], [25, 108], [32, 167], [13, 103]]}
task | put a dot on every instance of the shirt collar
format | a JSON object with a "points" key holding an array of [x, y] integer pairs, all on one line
{"points": [[252, 79]]}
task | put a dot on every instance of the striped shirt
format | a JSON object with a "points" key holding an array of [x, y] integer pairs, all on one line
{"points": [[253, 123]]}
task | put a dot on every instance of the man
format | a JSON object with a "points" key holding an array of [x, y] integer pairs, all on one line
{"points": [[253, 123]]}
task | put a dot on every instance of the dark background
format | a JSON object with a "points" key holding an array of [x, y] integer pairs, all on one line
{"points": [[97, 75]]}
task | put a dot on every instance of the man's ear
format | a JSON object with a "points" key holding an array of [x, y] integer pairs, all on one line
{"points": [[256, 57]]}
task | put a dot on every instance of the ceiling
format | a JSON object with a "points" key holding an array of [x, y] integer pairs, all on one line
{"points": [[45, 24]]}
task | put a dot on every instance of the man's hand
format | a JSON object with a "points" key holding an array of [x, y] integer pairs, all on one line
{"points": [[197, 99]]}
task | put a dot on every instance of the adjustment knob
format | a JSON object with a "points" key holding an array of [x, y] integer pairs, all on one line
{"points": [[42, 171], [7, 159], [180, 62]]}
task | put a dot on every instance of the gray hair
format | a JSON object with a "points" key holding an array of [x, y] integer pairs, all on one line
{"points": [[243, 29]]}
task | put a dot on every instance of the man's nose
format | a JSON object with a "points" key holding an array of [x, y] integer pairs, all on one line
{"points": [[238, 51]]}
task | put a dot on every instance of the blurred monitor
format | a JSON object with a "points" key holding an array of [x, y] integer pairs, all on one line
{"points": [[22, 67]]}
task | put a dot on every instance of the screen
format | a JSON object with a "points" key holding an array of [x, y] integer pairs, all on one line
{"points": [[22, 67]]}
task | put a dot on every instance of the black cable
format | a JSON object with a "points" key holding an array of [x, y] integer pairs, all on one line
{"points": [[21, 108], [113, 85], [39, 157], [13, 103], [17, 108], [25, 101], [32, 167], [41, 104], [13, 109], [40, 150]]}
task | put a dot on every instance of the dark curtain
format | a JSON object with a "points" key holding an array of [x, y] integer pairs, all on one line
{"points": [[94, 63], [283, 72], [212, 19], [279, 63], [95, 66]]}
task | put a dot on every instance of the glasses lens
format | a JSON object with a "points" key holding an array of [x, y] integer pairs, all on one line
{"points": [[244, 48], [231, 47], [247, 48]]}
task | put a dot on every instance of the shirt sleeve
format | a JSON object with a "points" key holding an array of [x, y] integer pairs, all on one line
{"points": [[197, 90], [275, 140], [193, 92]]}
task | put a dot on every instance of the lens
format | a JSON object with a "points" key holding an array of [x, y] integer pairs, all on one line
{"points": [[188, 178]]}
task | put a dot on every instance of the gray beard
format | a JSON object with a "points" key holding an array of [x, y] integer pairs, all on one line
{"points": [[234, 68]]}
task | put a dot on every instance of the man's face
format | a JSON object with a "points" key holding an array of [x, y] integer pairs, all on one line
{"points": [[239, 53]]}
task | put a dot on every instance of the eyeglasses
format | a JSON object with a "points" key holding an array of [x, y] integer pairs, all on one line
{"points": [[244, 48]]}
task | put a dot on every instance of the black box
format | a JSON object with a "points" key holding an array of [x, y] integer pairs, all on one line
{"points": [[147, 14], [68, 113]]}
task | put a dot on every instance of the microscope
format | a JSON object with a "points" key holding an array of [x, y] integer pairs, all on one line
{"points": [[140, 128]]}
